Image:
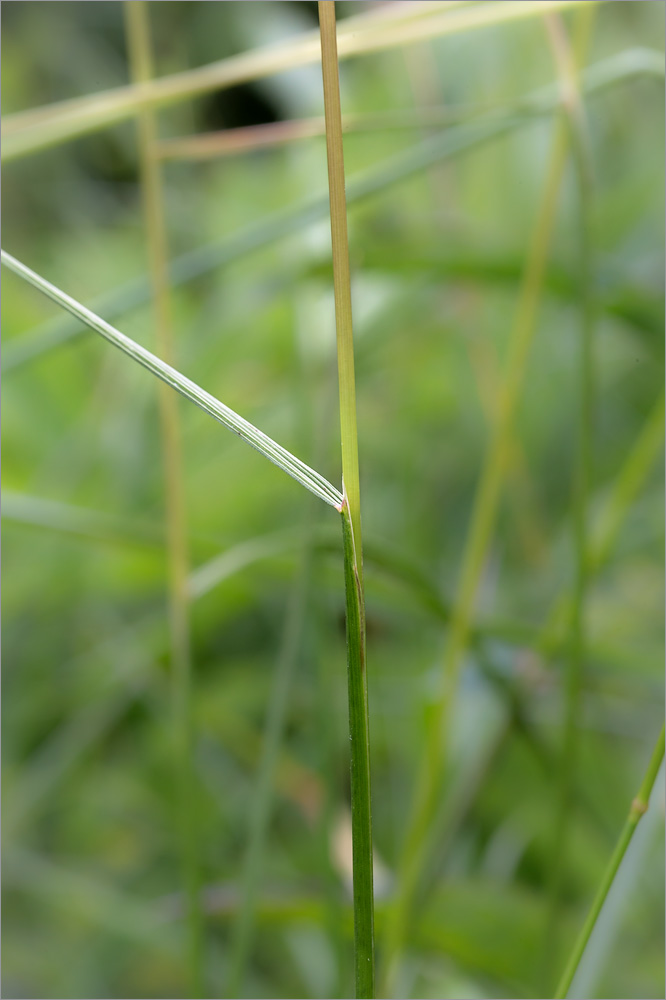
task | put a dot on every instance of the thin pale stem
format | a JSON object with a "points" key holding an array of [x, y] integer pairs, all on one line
{"points": [[429, 781], [637, 809], [140, 56], [364, 960], [341, 275]]}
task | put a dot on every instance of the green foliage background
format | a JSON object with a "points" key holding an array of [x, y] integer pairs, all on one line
{"points": [[90, 849]]}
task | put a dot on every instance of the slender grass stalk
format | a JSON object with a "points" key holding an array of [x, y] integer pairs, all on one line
{"points": [[637, 809], [359, 737], [457, 140], [30, 131], [141, 63], [341, 275], [419, 836], [575, 664], [274, 452], [364, 944]]}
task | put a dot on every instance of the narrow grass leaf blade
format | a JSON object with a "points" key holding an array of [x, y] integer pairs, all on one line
{"points": [[302, 473], [638, 808]]}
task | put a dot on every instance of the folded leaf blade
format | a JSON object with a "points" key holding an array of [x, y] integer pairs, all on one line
{"points": [[293, 466]]}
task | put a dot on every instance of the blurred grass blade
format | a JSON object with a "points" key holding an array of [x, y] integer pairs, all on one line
{"points": [[212, 573], [638, 808], [51, 763], [97, 902], [453, 142], [307, 477], [235, 141], [395, 25], [262, 800], [137, 30], [624, 490], [634, 471], [57, 516], [417, 842]]}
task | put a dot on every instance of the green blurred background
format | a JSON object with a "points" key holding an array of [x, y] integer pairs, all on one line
{"points": [[91, 870]]}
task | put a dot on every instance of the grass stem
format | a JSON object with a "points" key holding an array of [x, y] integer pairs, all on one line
{"points": [[364, 959], [140, 55], [637, 809], [359, 737]]}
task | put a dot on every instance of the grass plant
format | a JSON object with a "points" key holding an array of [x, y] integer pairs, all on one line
{"points": [[357, 678], [519, 694]]}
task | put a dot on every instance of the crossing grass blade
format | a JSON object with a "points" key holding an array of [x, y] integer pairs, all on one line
{"points": [[274, 452], [30, 131], [455, 141]]}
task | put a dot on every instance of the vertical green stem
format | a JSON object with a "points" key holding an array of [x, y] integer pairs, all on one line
{"points": [[638, 808], [364, 961], [138, 37], [364, 946]]}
